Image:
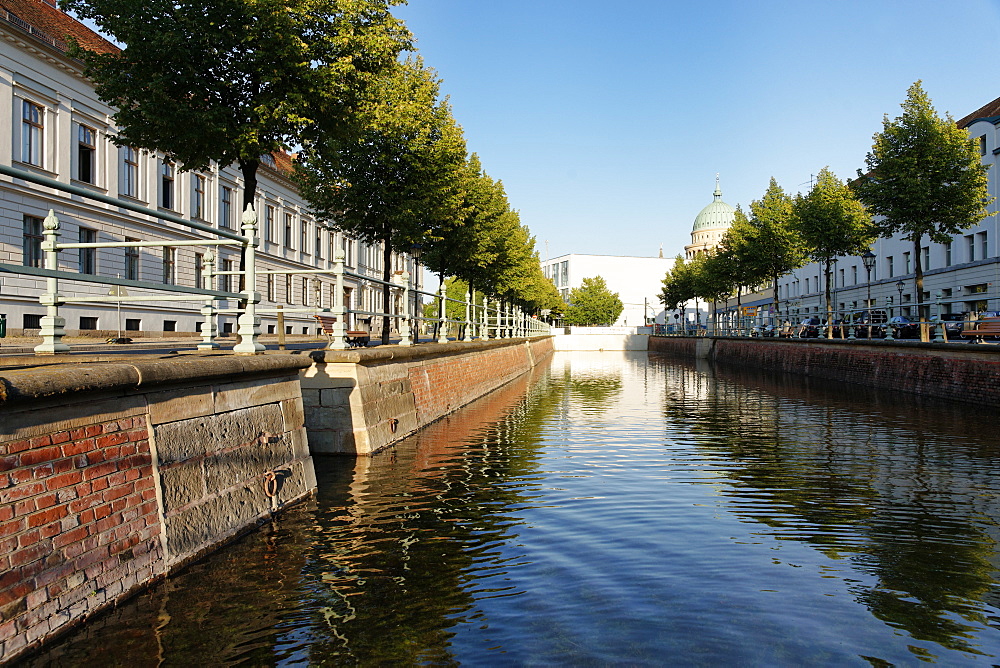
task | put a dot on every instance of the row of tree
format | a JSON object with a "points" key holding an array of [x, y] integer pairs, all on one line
{"points": [[381, 157], [923, 179]]}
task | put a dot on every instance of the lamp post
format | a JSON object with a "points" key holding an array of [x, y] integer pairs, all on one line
{"points": [[868, 259], [899, 288], [416, 250]]}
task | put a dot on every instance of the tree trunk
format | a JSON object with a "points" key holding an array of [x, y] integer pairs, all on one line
{"points": [[829, 305], [918, 286], [386, 291], [739, 313], [249, 170], [776, 321]]}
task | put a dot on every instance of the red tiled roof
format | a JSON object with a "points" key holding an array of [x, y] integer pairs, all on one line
{"points": [[54, 23], [986, 111]]}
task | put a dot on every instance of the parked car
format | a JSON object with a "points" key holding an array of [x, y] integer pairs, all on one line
{"points": [[762, 330], [809, 328], [953, 324], [869, 323], [839, 330], [904, 328]]}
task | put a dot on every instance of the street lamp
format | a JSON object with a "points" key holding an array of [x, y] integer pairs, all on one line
{"points": [[899, 288], [868, 259]]}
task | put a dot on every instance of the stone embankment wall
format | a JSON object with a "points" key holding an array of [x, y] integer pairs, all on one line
{"points": [[113, 472], [360, 401], [957, 371]]}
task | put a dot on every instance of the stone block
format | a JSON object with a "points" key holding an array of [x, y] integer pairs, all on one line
{"points": [[329, 417], [184, 439], [234, 396], [182, 485], [299, 443], [312, 397], [243, 426], [179, 404], [292, 413], [243, 465]]}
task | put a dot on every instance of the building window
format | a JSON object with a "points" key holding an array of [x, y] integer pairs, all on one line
{"points": [[32, 241], [169, 255], [305, 292], [88, 322], [270, 288], [854, 275], [970, 245], [130, 172], [984, 249], [982, 145], [169, 325], [31, 321], [269, 232], [225, 279], [88, 256], [131, 261], [32, 119], [348, 252], [167, 185], [842, 284], [199, 270], [304, 236], [132, 324], [225, 206], [925, 257], [198, 201], [889, 269], [288, 230], [947, 253], [317, 249], [906, 263], [86, 150]]}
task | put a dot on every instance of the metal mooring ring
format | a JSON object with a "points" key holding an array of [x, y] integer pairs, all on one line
{"points": [[271, 484]]}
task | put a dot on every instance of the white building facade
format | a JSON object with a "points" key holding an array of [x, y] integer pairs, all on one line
{"points": [[962, 276], [637, 280], [59, 129]]}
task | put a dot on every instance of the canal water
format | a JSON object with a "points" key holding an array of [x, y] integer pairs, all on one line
{"points": [[615, 508]]}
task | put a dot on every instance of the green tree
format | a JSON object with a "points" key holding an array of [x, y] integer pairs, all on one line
{"points": [[593, 304], [831, 222], [925, 178], [770, 238], [737, 255], [398, 179], [230, 81]]}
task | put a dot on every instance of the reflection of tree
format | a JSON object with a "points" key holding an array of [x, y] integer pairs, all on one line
{"points": [[890, 480], [396, 558]]}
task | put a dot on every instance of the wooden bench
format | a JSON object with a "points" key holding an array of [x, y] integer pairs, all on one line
{"points": [[979, 328], [355, 338]]}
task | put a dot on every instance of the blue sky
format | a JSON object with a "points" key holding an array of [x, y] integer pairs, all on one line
{"points": [[607, 122]]}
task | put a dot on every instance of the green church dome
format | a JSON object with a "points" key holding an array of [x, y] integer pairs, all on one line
{"points": [[716, 215]]}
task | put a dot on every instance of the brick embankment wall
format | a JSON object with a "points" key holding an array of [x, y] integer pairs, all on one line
{"points": [[956, 371], [360, 401], [112, 473]]}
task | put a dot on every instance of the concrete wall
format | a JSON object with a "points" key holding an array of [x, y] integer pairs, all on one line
{"points": [[957, 371], [360, 401], [600, 342], [112, 472]]}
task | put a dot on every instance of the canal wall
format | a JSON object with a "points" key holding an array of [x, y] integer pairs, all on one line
{"points": [[956, 371], [360, 401], [115, 471]]}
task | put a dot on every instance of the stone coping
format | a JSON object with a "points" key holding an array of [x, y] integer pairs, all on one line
{"points": [[382, 354], [956, 348], [132, 372]]}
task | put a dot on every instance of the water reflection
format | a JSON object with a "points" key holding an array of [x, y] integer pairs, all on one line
{"points": [[612, 509]]}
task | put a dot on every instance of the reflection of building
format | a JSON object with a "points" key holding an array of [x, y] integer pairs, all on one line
{"points": [[637, 280], [710, 225], [59, 129]]}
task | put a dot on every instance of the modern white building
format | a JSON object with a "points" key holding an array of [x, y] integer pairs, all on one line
{"points": [[59, 129], [637, 280]]}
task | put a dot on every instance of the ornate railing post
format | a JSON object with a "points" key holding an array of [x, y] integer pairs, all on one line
{"points": [[467, 334], [339, 339], [442, 315], [53, 325], [405, 333], [248, 322], [485, 331], [209, 328]]}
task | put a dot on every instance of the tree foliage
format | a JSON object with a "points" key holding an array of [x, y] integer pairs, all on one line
{"points": [[770, 237], [831, 222], [397, 180], [229, 81], [593, 304], [925, 177]]}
